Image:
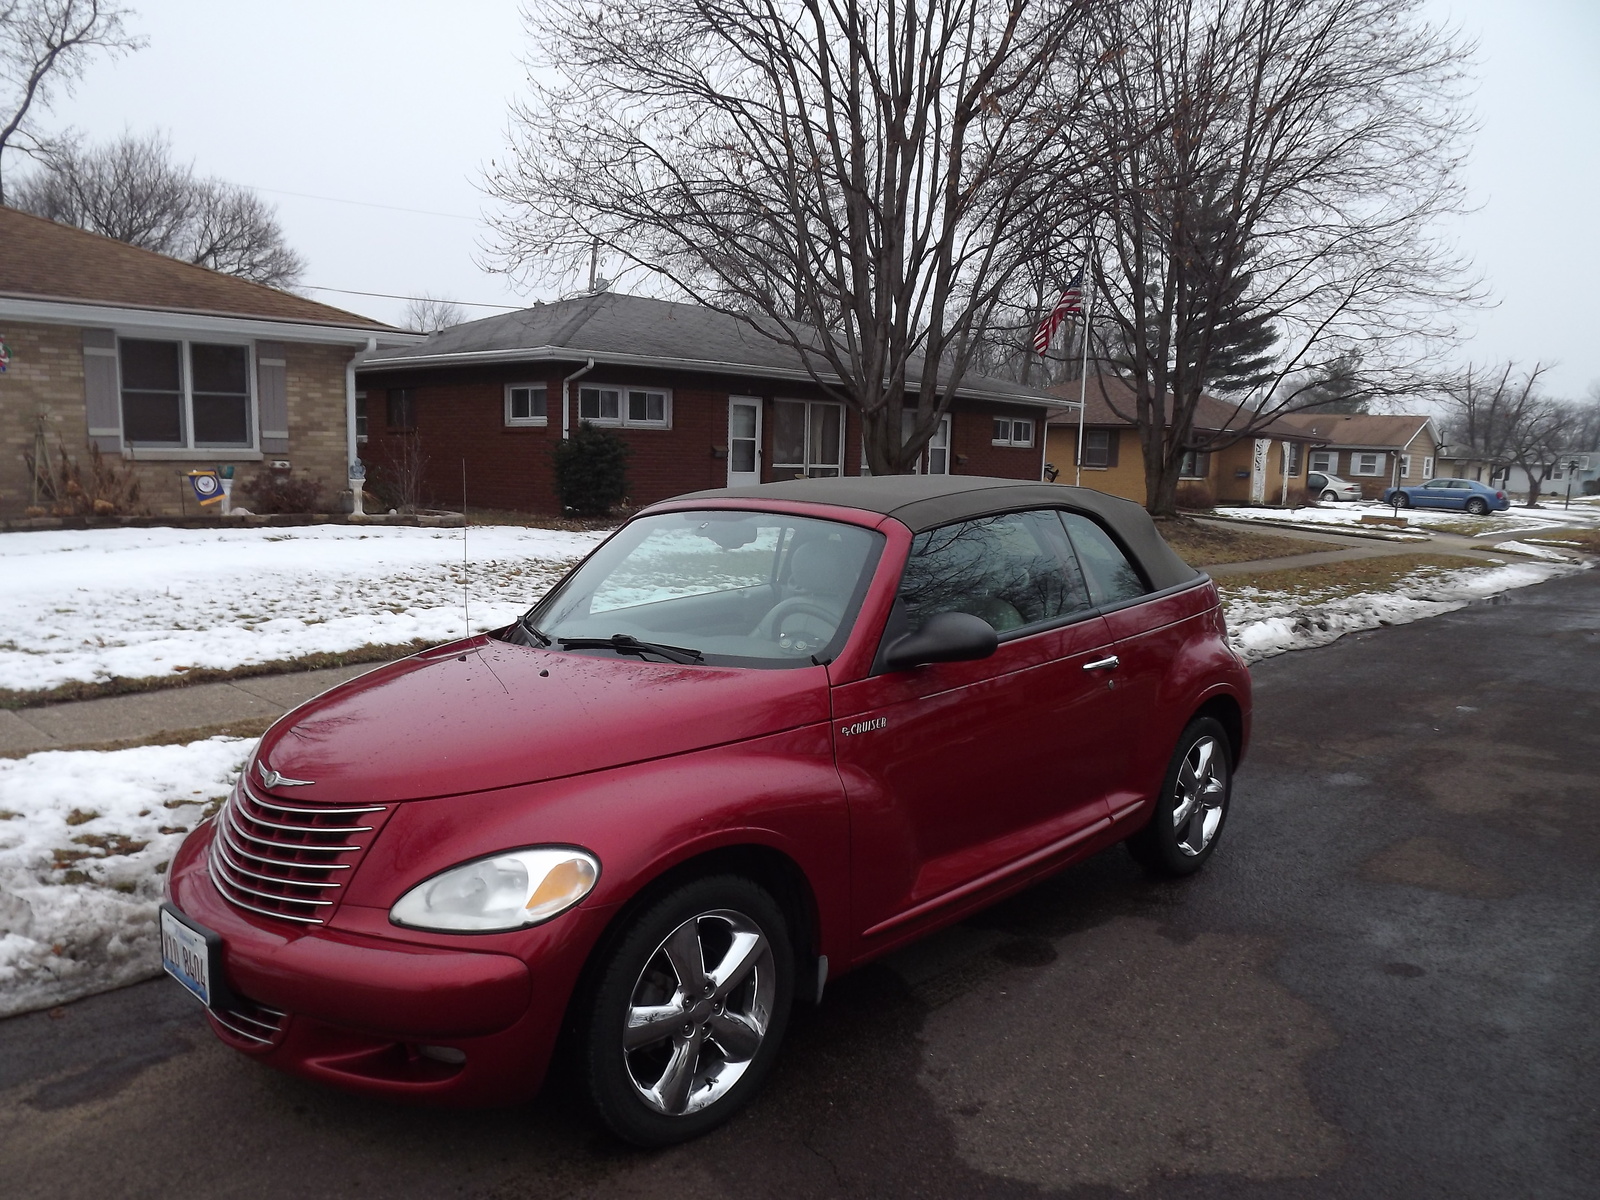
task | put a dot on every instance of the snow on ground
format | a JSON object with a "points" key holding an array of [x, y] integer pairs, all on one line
{"points": [[84, 840], [1532, 550], [1262, 624], [87, 605], [1514, 520]]}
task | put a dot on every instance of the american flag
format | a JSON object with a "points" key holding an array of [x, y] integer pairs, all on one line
{"points": [[1070, 304]]}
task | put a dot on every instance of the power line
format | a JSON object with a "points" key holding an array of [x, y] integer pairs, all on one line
{"points": [[426, 212], [311, 287]]}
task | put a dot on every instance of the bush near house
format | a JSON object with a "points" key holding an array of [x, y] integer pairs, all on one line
{"points": [[106, 488], [274, 492], [591, 470], [1196, 493]]}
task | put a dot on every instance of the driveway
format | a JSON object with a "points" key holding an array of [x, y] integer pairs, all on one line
{"points": [[1383, 985]]}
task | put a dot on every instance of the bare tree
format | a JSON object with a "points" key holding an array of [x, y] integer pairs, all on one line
{"points": [[132, 190], [45, 46], [1299, 154], [1498, 416], [429, 314], [846, 176]]}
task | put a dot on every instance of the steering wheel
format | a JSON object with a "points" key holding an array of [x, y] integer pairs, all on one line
{"points": [[769, 625]]}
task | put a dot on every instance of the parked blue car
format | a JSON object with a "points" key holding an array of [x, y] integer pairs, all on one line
{"points": [[1476, 498]]}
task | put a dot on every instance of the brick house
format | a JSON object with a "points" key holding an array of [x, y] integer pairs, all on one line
{"points": [[1371, 449], [1258, 469], [701, 399], [166, 366]]}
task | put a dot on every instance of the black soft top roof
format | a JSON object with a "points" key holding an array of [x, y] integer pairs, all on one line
{"points": [[926, 501]]}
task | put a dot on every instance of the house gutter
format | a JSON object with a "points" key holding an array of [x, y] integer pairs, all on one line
{"points": [[566, 403]]}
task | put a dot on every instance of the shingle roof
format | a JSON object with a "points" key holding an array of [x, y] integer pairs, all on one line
{"points": [[1111, 401], [616, 328], [42, 260], [1374, 430]]}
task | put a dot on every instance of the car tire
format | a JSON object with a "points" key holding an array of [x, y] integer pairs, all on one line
{"points": [[1329, 496], [1192, 806], [718, 1037], [1478, 507], [1401, 500]]}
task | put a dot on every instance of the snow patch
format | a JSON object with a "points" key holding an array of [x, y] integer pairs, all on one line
{"points": [[82, 861], [1532, 550]]}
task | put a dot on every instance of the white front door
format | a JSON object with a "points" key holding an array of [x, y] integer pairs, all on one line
{"points": [[744, 441]]}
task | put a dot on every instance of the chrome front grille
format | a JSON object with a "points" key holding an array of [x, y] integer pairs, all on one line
{"points": [[253, 1023], [287, 860]]}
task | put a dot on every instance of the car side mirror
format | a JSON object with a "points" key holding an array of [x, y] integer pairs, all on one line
{"points": [[946, 637]]}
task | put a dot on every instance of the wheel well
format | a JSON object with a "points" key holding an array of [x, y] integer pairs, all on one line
{"points": [[1225, 711]]}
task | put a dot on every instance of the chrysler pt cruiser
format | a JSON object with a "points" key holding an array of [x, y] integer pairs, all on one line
{"points": [[760, 735]]}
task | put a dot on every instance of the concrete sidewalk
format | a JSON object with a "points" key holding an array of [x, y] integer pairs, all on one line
{"points": [[243, 706]]}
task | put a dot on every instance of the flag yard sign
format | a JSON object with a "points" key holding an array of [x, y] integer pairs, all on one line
{"points": [[1069, 304], [5, 354], [207, 486]]}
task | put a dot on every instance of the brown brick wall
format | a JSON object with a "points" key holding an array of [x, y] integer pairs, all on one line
{"points": [[45, 377]]}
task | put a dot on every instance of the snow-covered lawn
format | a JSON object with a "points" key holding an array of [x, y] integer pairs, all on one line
{"points": [[88, 605], [1264, 623], [1502, 524], [85, 837]]}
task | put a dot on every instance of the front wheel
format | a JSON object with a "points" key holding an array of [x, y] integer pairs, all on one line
{"points": [[1478, 507], [1330, 496], [1193, 803], [1401, 500], [689, 1009]]}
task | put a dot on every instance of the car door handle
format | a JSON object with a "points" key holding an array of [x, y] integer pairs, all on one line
{"points": [[1102, 663]]}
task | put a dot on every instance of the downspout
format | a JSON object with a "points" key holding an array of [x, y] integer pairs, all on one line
{"points": [[350, 405], [566, 404]]}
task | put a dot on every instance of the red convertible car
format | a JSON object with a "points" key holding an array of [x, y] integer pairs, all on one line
{"points": [[759, 735]]}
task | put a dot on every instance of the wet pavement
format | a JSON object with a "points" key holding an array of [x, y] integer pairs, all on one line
{"points": [[1384, 985]]}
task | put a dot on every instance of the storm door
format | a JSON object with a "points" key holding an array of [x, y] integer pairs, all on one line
{"points": [[744, 441]]}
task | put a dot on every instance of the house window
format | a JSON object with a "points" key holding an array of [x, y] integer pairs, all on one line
{"points": [[185, 394], [1196, 464], [361, 416], [1405, 466], [1366, 464], [807, 439], [650, 408], [1324, 461], [1296, 453], [402, 414], [526, 404], [1100, 447], [1013, 431], [1427, 467]]}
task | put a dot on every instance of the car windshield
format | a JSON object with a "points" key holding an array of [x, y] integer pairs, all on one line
{"points": [[734, 588]]}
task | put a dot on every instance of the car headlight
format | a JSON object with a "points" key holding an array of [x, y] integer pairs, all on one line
{"points": [[502, 891]]}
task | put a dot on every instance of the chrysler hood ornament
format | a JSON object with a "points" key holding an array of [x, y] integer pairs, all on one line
{"points": [[272, 779]]}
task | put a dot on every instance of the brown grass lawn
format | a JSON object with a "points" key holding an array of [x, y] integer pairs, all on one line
{"points": [[1570, 539], [1329, 581], [1207, 545]]}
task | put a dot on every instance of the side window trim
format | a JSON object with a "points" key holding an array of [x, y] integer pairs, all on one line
{"points": [[1131, 559]]}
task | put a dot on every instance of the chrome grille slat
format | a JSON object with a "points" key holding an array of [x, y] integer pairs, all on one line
{"points": [[271, 859], [252, 1028]]}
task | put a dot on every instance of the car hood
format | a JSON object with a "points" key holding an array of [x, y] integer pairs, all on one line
{"points": [[484, 714]]}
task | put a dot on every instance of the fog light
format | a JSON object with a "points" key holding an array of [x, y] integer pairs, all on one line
{"points": [[444, 1054]]}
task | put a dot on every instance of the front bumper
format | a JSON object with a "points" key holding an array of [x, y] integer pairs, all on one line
{"points": [[388, 1015]]}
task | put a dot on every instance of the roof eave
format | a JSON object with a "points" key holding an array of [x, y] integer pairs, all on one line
{"points": [[52, 311]]}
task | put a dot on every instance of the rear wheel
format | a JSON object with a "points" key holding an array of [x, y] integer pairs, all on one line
{"points": [[1330, 496], [1478, 506], [1401, 500], [1193, 804], [689, 1009]]}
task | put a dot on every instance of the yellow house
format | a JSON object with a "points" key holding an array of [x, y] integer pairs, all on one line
{"points": [[1267, 466]]}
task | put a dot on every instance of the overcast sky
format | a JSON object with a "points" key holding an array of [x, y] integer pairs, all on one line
{"points": [[348, 114]]}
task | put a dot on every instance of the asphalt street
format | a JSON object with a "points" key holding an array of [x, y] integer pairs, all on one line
{"points": [[1385, 984]]}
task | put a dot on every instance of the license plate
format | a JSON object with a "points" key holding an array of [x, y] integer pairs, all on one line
{"points": [[190, 956]]}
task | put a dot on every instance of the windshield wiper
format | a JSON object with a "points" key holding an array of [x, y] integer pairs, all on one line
{"points": [[626, 643], [540, 638]]}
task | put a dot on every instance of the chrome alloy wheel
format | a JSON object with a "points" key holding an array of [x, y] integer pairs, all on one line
{"points": [[699, 1012], [1198, 796]]}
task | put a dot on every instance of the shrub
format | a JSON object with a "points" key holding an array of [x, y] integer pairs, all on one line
{"points": [[1591, 487], [108, 488], [276, 492], [1297, 496], [1196, 493], [591, 471]]}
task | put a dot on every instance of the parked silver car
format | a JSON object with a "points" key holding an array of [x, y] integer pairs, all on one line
{"points": [[1330, 487]]}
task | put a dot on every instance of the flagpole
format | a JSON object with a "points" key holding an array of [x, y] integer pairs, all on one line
{"points": [[1083, 375]]}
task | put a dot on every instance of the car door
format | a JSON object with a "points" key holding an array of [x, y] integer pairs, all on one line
{"points": [[957, 771]]}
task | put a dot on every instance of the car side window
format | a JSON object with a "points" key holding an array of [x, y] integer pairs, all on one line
{"points": [[1013, 570], [1112, 578]]}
